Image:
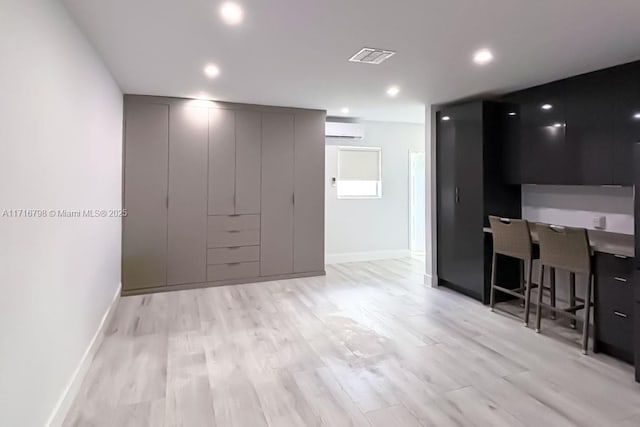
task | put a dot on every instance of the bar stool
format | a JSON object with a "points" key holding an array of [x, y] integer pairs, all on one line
{"points": [[512, 238], [566, 248]]}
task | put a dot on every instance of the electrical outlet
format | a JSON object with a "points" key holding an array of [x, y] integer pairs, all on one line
{"points": [[599, 222]]}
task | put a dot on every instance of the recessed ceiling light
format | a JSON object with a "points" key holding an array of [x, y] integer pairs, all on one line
{"points": [[393, 91], [547, 107], [483, 57], [446, 118], [636, 116], [345, 110], [212, 71], [231, 13], [512, 113]]}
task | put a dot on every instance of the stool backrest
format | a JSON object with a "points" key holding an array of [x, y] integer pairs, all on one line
{"points": [[566, 248], [511, 237]]}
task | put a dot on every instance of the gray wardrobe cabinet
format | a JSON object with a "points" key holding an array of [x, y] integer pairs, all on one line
{"points": [[276, 234], [144, 232], [187, 244], [235, 142], [220, 193]]}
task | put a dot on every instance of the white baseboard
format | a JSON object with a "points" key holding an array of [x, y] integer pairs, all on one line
{"points": [[431, 280], [70, 392], [366, 256]]}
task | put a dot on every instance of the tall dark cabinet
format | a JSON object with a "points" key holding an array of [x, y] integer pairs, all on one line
{"points": [[469, 188]]}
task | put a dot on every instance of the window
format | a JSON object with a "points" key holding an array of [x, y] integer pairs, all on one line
{"points": [[359, 173]]}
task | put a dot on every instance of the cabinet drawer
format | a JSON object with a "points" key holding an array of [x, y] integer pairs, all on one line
{"points": [[234, 222], [615, 328], [614, 266], [240, 270], [233, 255], [225, 239], [616, 294]]}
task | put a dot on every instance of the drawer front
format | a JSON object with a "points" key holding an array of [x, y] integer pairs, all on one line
{"points": [[614, 266], [225, 239], [243, 270], [234, 222], [615, 293], [616, 328], [233, 255]]}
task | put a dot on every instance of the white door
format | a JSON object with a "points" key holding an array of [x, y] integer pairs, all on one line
{"points": [[417, 202]]}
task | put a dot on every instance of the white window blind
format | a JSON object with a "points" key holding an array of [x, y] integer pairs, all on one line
{"points": [[359, 173], [362, 164]]}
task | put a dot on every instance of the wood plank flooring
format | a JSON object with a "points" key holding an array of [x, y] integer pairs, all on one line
{"points": [[367, 345]]}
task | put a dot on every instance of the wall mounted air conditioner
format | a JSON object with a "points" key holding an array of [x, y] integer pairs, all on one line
{"points": [[338, 130]]}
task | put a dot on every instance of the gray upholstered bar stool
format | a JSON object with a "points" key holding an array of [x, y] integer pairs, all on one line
{"points": [[512, 238], [567, 248]]}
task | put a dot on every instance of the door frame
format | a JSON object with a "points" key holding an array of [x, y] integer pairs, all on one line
{"points": [[412, 154]]}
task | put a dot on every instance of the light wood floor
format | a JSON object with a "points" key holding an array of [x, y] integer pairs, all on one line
{"points": [[367, 345]]}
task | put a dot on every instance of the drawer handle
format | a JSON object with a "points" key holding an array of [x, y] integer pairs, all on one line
{"points": [[620, 279], [234, 231], [236, 263], [617, 313], [621, 256]]}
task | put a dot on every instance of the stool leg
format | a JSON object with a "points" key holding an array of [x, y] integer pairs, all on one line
{"points": [[527, 291], [587, 315], [552, 273], [539, 306], [572, 295], [523, 273], [492, 293]]}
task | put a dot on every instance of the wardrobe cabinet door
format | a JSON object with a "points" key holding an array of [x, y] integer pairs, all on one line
{"points": [[308, 230], [626, 122], [144, 237], [222, 162], [187, 225], [544, 154], [248, 160], [590, 101], [276, 241]]}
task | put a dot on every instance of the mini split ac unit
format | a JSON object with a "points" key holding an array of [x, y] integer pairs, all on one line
{"points": [[338, 130]]}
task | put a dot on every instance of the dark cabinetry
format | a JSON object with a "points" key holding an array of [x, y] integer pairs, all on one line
{"points": [[614, 309], [577, 131], [536, 126], [589, 128], [470, 187], [626, 120]]}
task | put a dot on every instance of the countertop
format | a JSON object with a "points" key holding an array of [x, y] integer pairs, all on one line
{"points": [[601, 241]]}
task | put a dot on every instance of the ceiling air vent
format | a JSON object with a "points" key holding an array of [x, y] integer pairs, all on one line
{"points": [[368, 55]]}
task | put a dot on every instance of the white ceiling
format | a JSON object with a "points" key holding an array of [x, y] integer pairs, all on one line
{"points": [[295, 52]]}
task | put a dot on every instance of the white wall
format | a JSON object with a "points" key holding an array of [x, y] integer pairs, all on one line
{"points": [[577, 205], [60, 148], [378, 228]]}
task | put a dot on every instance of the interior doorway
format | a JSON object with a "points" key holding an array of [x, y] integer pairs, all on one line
{"points": [[417, 202]]}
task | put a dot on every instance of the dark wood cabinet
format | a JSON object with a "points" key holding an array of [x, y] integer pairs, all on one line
{"points": [[470, 187], [538, 152], [577, 131], [626, 121], [636, 327], [614, 306], [589, 102]]}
